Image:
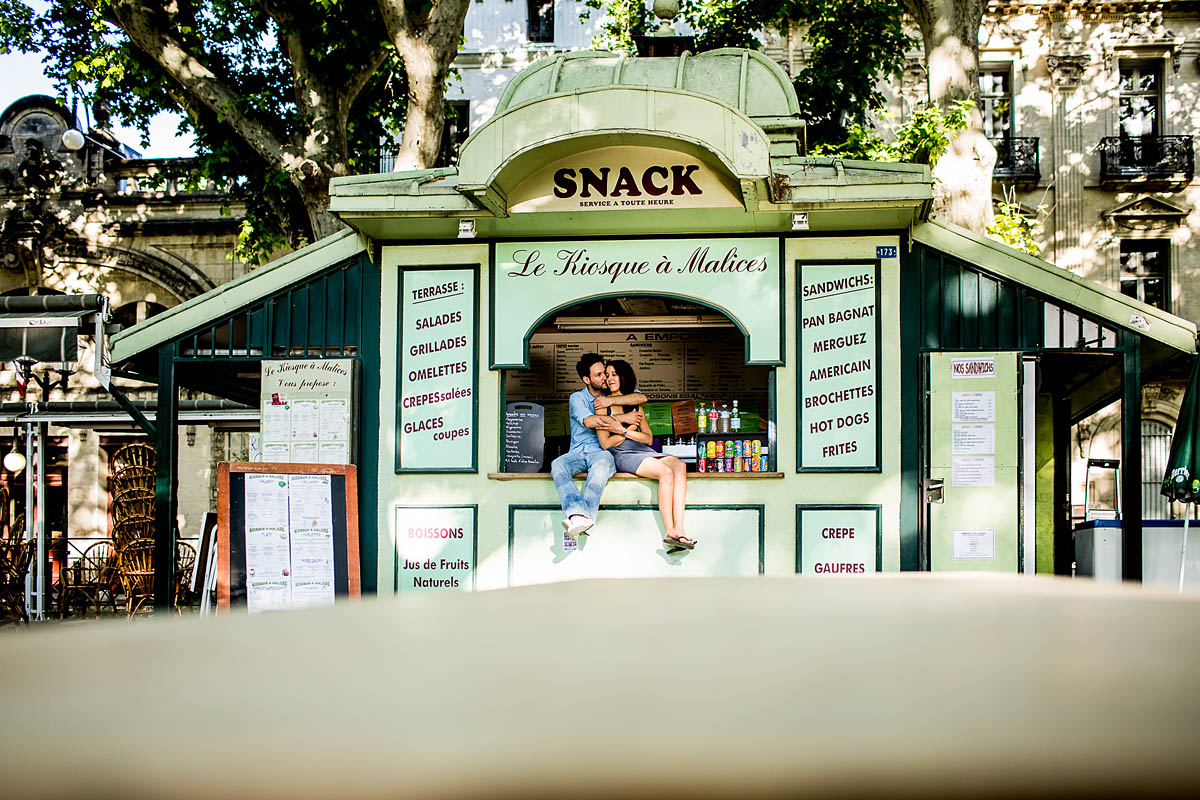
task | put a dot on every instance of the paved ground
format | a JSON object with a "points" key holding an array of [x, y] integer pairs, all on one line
{"points": [[891, 685]]}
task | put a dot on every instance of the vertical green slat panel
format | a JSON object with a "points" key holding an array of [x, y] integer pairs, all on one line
{"points": [[931, 299], [916, 323], [951, 305], [988, 313], [324, 310], [1006, 316], [968, 292], [355, 300], [1034, 321], [343, 306]]}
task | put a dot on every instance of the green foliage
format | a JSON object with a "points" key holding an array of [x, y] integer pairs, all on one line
{"points": [[922, 139], [833, 91], [1014, 227], [243, 46]]}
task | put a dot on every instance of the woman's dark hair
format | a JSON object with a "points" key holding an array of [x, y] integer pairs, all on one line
{"points": [[625, 374]]}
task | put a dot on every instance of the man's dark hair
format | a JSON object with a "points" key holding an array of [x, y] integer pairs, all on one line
{"points": [[584, 367]]}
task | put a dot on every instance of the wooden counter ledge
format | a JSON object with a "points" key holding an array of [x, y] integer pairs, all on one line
{"points": [[691, 476]]}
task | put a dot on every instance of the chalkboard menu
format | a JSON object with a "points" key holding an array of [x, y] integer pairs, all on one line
{"points": [[700, 365], [524, 437], [437, 371], [838, 414]]}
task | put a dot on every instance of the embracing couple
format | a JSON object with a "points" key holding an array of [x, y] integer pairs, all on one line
{"points": [[609, 432]]}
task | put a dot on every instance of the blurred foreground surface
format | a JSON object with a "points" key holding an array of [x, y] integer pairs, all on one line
{"points": [[889, 686]]}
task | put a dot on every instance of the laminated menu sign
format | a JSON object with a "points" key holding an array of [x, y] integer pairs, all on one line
{"points": [[839, 378], [289, 542], [437, 366], [305, 406], [268, 552], [838, 541], [435, 549]]}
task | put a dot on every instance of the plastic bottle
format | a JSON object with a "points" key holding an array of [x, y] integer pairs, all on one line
{"points": [[735, 422], [723, 426], [712, 418], [702, 419]]}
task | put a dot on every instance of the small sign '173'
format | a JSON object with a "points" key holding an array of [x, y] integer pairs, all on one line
{"points": [[885, 251]]}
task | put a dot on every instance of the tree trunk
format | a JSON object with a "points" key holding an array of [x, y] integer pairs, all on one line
{"points": [[950, 32]]}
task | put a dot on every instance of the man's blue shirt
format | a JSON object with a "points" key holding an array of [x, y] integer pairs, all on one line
{"points": [[582, 437]]}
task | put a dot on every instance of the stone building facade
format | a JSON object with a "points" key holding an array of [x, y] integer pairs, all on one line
{"points": [[99, 218]]}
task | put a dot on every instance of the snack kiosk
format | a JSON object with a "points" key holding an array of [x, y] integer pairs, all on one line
{"points": [[903, 388]]}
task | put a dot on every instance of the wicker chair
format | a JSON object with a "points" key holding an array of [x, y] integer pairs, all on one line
{"points": [[133, 503], [94, 577], [132, 455], [17, 529], [185, 563], [135, 567], [15, 558], [133, 528], [132, 477]]}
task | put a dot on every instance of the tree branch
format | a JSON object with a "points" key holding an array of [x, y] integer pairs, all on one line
{"points": [[144, 30], [357, 80], [396, 20]]}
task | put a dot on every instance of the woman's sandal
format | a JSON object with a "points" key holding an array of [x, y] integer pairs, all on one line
{"points": [[679, 543]]}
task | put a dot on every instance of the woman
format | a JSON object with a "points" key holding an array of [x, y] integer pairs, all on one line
{"points": [[633, 453]]}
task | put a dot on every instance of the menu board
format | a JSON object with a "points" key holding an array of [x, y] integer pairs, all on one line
{"points": [[289, 541], [306, 410], [287, 535], [524, 437], [438, 380], [699, 365], [838, 540], [435, 549], [839, 367]]}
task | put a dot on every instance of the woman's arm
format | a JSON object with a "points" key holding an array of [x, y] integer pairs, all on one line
{"points": [[608, 440], [640, 431]]}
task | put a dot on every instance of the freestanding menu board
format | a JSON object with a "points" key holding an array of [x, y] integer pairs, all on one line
{"points": [[838, 400], [437, 376], [307, 410], [287, 535]]}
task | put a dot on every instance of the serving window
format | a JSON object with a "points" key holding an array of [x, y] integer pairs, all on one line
{"points": [[683, 354]]}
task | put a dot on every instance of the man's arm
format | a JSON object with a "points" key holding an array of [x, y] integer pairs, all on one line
{"points": [[602, 402], [579, 413]]}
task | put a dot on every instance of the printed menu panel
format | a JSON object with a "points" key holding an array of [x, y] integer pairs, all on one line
{"points": [[435, 549], [839, 377], [305, 406], [289, 542], [837, 540], [436, 402]]}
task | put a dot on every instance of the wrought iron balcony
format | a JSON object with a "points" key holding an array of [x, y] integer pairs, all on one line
{"points": [[1017, 159], [1160, 159]]}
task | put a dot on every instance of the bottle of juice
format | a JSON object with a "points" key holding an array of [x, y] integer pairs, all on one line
{"points": [[702, 419]]}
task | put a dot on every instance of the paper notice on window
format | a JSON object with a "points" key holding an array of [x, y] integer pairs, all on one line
{"points": [[334, 453], [984, 367], [335, 421], [276, 424], [974, 406], [974, 544], [277, 452], [268, 549], [973, 439], [305, 452], [305, 420], [973, 471]]}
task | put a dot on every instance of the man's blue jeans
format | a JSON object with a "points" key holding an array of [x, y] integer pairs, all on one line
{"points": [[599, 467]]}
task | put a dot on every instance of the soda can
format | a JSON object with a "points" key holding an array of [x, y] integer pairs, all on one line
{"points": [[764, 464], [720, 449], [720, 463], [701, 464], [729, 463], [756, 448], [711, 450], [737, 449], [747, 448]]}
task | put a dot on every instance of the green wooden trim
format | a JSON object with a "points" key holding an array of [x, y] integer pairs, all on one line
{"points": [[759, 507], [878, 467], [243, 291], [1050, 281], [1131, 458], [911, 497], [772, 428], [474, 542], [369, 443], [474, 268], [802, 507]]}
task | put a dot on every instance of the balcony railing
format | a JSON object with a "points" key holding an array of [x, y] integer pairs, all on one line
{"points": [[1166, 159], [1017, 159]]}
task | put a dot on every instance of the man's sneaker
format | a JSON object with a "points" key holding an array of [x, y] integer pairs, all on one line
{"points": [[577, 525]]}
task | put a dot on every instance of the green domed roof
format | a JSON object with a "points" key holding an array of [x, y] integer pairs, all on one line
{"points": [[742, 79]]}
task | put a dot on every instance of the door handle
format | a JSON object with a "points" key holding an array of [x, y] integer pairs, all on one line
{"points": [[934, 490]]}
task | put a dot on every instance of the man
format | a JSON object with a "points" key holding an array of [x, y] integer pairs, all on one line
{"points": [[579, 510]]}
